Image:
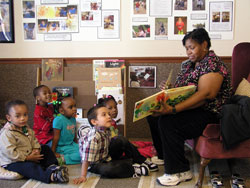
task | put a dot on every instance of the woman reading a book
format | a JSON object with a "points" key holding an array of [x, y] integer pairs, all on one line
{"points": [[172, 125]]}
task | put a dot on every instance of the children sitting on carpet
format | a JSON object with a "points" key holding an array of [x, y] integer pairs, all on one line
{"points": [[43, 115], [20, 151], [145, 148], [111, 104], [104, 156], [64, 143]]}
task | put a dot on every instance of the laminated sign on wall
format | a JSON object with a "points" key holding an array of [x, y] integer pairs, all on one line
{"points": [[108, 77]]}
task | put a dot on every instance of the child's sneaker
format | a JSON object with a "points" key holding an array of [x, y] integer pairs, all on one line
{"points": [[151, 166], [60, 176], [9, 175], [54, 167], [140, 170], [157, 161]]}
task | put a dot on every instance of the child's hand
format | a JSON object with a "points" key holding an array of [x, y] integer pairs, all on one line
{"points": [[80, 180], [57, 155], [34, 157], [36, 151]]}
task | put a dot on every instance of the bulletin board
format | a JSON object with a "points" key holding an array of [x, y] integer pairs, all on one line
{"points": [[172, 19], [90, 46], [71, 20]]}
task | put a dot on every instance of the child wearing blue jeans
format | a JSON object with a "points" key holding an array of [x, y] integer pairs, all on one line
{"points": [[64, 143], [102, 156], [20, 151]]}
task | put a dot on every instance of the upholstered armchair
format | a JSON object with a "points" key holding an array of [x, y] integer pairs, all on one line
{"points": [[209, 146]]}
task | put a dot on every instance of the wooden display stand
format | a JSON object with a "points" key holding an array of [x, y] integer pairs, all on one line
{"points": [[81, 79]]}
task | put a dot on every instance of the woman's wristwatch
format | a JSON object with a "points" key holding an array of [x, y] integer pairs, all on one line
{"points": [[174, 110]]}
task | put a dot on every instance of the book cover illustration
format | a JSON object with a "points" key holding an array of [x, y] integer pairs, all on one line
{"points": [[108, 77], [114, 63], [97, 64], [172, 96], [52, 69], [64, 91]]}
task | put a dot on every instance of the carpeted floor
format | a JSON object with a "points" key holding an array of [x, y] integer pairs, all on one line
{"points": [[241, 166], [94, 181]]}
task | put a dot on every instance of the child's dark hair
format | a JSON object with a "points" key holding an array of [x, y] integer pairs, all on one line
{"points": [[13, 103], [104, 101], [37, 89], [58, 102], [92, 113]]}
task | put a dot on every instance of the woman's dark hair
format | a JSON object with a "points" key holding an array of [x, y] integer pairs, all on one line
{"points": [[199, 35], [105, 100], [92, 113], [12, 103]]}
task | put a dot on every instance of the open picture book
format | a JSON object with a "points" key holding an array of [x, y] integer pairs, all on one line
{"points": [[173, 97]]}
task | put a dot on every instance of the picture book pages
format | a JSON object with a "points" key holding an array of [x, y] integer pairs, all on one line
{"points": [[52, 69], [172, 96]]}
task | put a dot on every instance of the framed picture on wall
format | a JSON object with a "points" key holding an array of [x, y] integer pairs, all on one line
{"points": [[6, 22], [142, 76]]}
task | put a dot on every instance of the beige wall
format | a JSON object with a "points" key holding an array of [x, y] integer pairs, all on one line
{"points": [[124, 48]]}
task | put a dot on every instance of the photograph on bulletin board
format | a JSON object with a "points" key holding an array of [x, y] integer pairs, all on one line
{"points": [[199, 5], [161, 27], [140, 7], [142, 76], [141, 31], [180, 25], [180, 5], [6, 21]]}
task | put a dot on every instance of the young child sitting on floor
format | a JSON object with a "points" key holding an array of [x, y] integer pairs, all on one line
{"points": [[43, 115], [64, 143], [102, 156], [20, 151], [111, 104], [145, 148]]}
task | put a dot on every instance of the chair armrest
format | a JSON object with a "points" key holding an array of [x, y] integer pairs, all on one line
{"points": [[212, 131]]}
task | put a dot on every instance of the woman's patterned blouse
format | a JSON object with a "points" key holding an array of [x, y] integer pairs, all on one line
{"points": [[192, 71]]}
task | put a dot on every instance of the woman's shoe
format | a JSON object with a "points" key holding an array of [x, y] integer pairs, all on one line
{"points": [[174, 179]]}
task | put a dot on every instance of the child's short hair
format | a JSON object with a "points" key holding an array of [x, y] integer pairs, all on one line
{"points": [[106, 99], [92, 113], [13, 103], [37, 89]]}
